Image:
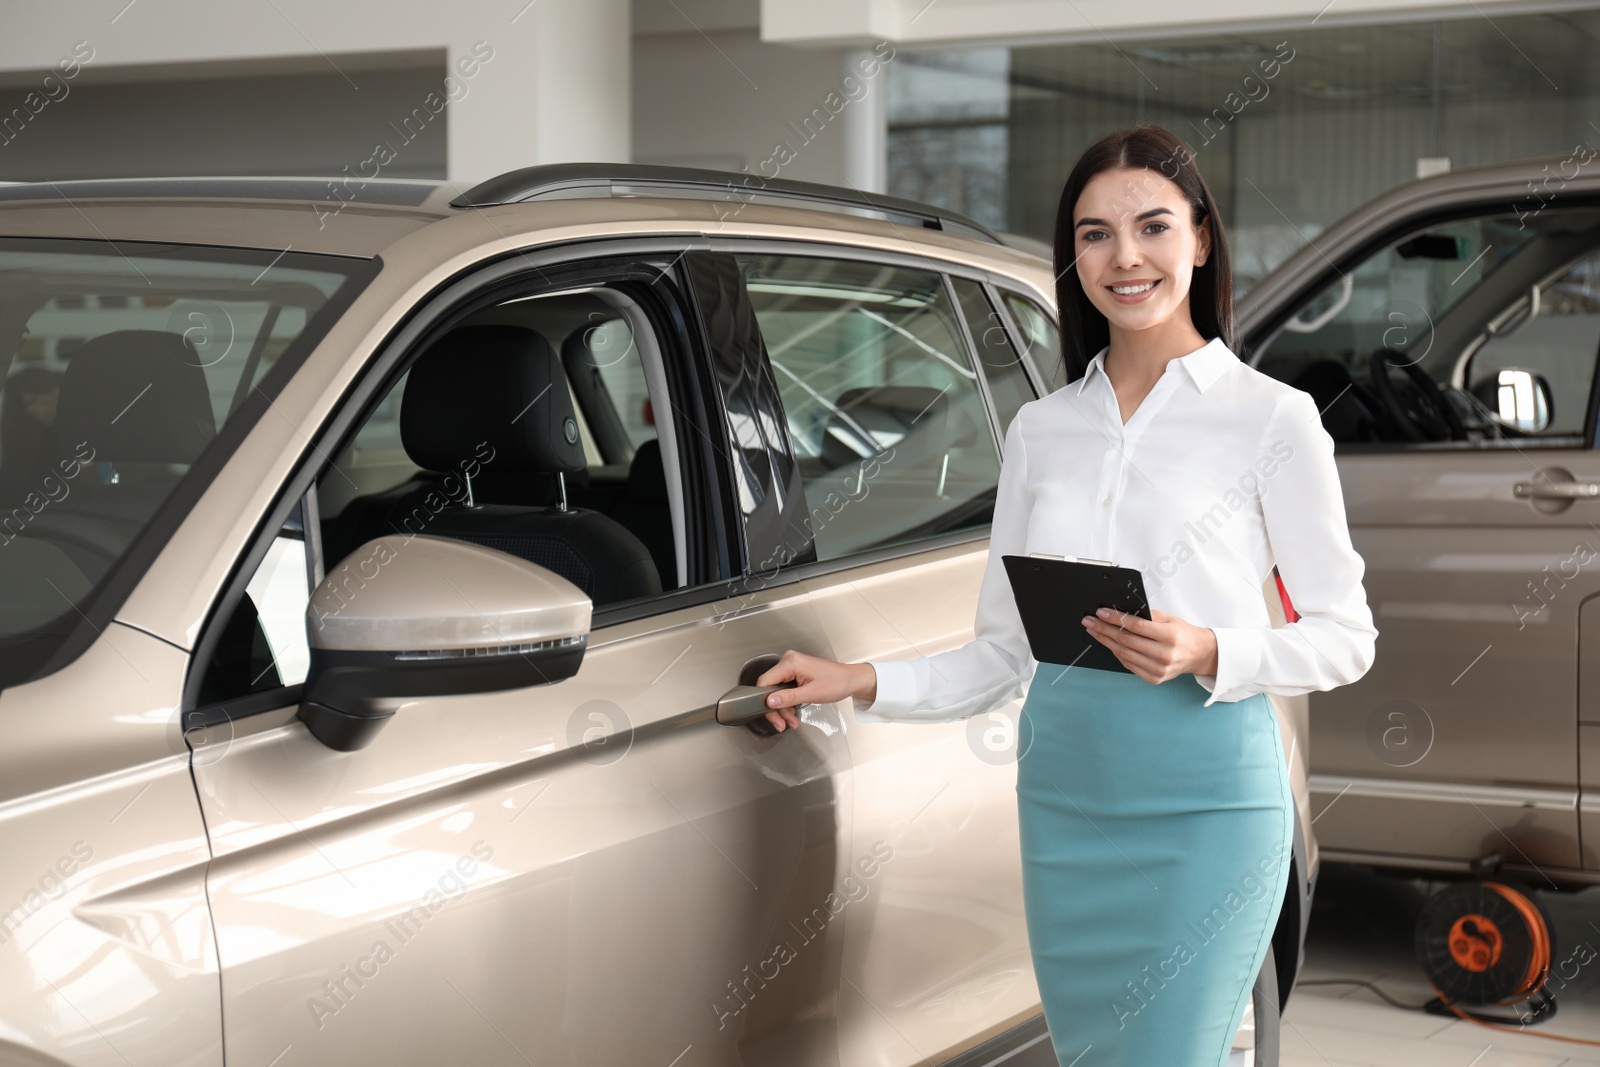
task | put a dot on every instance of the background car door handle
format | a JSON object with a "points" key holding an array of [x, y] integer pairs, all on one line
{"points": [[1557, 490], [747, 704]]}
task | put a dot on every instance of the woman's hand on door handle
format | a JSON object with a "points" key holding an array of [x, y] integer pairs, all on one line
{"points": [[818, 681]]}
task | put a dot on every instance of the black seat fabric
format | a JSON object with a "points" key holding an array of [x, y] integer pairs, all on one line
{"points": [[643, 508], [137, 396], [137, 402], [501, 387]]}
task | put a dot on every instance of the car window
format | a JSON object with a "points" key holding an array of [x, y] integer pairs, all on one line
{"points": [[1003, 371], [124, 368], [1452, 302], [264, 643], [1394, 298], [376, 460], [881, 399], [608, 346], [1559, 340], [437, 459], [1040, 337]]}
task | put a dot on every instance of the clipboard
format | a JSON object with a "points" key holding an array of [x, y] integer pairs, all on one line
{"points": [[1054, 592]]}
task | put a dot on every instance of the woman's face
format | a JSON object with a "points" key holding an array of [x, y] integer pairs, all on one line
{"points": [[1132, 230]]}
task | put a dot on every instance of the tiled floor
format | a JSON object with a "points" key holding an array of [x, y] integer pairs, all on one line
{"points": [[1362, 926]]}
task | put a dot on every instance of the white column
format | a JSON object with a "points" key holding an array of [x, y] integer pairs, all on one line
{"points": [[864, 125], [557, 90]]}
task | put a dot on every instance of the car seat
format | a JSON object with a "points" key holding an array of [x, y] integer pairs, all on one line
{"points": [[643, 508], [138, 403], [498, 391]]}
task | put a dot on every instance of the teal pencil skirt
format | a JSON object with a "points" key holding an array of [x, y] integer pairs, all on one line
{"points": [[1156, 842]]}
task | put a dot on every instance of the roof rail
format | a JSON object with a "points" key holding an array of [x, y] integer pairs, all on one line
{"points": [[609, 179]]}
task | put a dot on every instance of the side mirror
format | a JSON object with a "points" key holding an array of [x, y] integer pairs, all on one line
{"points": [[1518, 398], [409, 617]]}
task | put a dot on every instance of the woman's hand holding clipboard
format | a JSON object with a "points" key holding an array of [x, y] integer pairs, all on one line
{"points": [[1054, 592]]}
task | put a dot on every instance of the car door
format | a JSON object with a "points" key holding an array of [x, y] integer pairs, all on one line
{"points": [[1459, 742], [117, 411], [596, 871], [889, 419]]}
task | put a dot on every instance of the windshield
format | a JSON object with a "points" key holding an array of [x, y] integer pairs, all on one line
{"points": [[124, 368]]}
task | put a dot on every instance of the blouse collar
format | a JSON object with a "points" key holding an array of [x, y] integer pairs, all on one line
{"points": [[1205, 364]]}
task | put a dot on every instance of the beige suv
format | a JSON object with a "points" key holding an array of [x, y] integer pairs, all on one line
{"points": [[1449, 331], [384, 571]]}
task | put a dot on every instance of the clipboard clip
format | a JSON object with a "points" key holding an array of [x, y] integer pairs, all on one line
{"points": [[1072, 559]]}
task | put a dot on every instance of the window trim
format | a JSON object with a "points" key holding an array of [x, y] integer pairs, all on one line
{"points": [[475, 287], [964, 329]]}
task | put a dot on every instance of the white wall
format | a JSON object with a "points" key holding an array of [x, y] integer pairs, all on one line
{"points": [[545, 82], [837, 23], [221, 120], [724, 99]]}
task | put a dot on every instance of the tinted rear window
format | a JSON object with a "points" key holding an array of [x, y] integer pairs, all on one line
{"points": [[127, 371]]}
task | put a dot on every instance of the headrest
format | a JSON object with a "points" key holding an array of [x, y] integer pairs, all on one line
{"points": [[136, 396], [873, 418], [494, 383]]}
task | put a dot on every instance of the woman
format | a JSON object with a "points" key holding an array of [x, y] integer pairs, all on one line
{"points": [[1154, 807]]}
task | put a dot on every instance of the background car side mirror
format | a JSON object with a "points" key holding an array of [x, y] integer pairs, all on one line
{"points": [[404, 617], [1517, 397]]}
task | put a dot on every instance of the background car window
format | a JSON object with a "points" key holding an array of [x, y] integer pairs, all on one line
{"points": [[1560, 340], [1451, 295], [881, 399], [1040, 337], [1003, 371], [1395, 298], [125, 365]]}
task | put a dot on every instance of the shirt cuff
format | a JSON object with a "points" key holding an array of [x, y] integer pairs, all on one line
{"points": [[895, 696], [1238, 661]]}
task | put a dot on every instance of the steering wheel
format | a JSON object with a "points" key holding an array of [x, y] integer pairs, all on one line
{"points": [[1429, 416]]}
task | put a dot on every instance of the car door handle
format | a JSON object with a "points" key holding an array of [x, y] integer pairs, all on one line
{"points": [[747, 705], [1556, 490]]}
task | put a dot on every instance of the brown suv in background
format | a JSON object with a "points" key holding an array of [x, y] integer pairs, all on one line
{"points": [[1449, 331]]}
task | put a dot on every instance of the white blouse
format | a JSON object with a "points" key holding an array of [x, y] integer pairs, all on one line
{"points": [[1220, 473]]}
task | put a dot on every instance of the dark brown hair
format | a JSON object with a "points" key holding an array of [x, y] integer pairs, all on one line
{"points": [[1084, 329]]}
